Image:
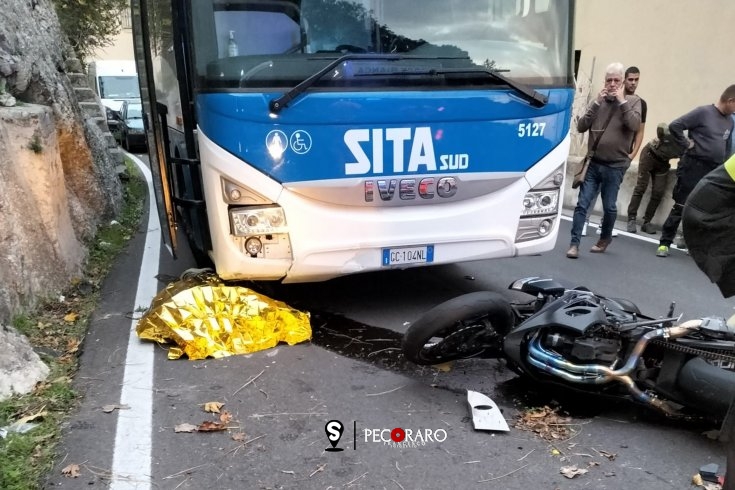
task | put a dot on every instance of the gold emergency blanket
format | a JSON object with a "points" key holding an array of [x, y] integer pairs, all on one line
{"points": [[203, 317]]}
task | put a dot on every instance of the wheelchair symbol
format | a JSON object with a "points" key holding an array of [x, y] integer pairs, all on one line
{"points": [[300, 142]]}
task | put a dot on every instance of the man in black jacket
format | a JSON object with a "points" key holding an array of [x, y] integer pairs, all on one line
{"points": [[708, 223]]}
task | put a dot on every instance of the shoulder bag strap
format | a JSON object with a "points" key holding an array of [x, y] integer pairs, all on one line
{"points": [[599, 136]]}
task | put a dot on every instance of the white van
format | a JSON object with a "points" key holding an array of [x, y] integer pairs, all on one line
{"points": [[114, 81]]}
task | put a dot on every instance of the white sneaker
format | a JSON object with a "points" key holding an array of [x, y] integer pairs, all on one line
{"points": [[599, 231], [584, 229]]}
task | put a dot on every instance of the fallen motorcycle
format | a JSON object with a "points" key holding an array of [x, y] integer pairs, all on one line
{"points": [[588, 342]]}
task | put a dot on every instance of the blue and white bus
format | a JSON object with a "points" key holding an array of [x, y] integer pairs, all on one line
{"points": [[302, 140]]}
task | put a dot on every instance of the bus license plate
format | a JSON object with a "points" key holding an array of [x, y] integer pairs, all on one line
{"points": [[408, 255]]}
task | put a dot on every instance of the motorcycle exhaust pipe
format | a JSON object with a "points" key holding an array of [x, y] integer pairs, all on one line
{"points": [[556, 365]]}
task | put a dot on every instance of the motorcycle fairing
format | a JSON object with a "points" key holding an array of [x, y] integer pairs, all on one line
{"points": [[538, 285], [575, 310]]}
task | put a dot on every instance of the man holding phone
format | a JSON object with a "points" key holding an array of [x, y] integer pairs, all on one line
{"points": [[612, 119]]}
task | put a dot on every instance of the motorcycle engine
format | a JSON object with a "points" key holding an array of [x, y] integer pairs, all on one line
{"points": [[588, 350]]}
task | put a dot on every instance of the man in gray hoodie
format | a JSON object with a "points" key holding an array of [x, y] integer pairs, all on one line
{"points": [[612, 120]]}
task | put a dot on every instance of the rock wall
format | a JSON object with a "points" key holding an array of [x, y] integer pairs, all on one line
{"points": [[58, 180]]}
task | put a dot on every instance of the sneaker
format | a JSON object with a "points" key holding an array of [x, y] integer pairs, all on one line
{"points": [[648, 228], [680, 243], [662, 251], [631, 228], [599, 230]]}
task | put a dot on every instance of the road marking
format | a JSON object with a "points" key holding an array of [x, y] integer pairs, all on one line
{"points": [[131, 460], [625, 233]]}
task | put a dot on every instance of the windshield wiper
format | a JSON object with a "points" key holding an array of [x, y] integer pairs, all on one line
{"points": [[277, 105], [533, 97]]}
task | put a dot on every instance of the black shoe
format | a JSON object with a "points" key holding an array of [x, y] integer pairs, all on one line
{"points": [[648, 228], [631, 226]]}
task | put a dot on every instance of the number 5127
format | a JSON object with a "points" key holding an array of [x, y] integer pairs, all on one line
{"points": [[526, 130]]}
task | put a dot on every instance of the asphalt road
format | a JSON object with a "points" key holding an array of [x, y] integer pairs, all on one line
{"points": [[281, 399]]}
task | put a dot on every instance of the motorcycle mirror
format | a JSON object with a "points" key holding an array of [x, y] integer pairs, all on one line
{"points": [[670, 314], [671, 308]]}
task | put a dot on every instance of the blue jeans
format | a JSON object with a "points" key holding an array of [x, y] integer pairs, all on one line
{"points": [[605, 180]]}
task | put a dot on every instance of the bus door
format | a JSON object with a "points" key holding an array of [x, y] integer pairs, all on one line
{"points": [[166, 94]]}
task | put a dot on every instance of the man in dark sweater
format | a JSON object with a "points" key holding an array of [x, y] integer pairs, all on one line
{"points": [[709, 129], [612, 118]]}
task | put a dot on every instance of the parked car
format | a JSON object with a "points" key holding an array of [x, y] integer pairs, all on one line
{"points": [[130, 125]]}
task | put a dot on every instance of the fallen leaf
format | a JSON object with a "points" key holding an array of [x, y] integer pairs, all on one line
{"points": [[72, 345], [208, 426], [112, 408], [555, 452], [71, 317], [444, 367], [30, 418], [225, 417], [239, 436], [572, 471], [71, 471], [213, 407], [185, 428], [546, 423], [610, 456]]}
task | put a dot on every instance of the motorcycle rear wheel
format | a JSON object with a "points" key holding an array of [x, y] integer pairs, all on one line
{"points": [[458, 329], [707, 387]]}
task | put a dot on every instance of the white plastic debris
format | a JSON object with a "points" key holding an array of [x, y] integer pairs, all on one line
{"points": [[485, 413]]}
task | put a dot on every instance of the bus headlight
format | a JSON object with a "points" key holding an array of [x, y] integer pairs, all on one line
{"points": [[257, 220], [253, 246], [540, 207], [540, 202]]}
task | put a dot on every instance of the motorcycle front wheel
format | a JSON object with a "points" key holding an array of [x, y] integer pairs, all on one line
{"points": [[463, 327]]}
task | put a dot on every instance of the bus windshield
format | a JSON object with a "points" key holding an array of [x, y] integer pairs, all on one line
{"points": [[261, 44]]}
